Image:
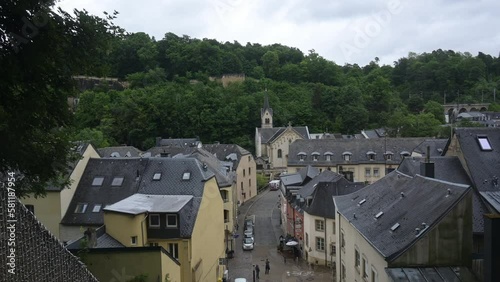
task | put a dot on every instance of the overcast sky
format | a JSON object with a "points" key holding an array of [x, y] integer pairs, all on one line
{"points": [[345, 32]]}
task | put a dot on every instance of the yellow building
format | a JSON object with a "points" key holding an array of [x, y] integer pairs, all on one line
{"points": [[404, 226], [359, 160], [51, 208]]}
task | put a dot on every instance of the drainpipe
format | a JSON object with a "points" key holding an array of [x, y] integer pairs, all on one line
{"points": [[326, 249], [142, 228]]}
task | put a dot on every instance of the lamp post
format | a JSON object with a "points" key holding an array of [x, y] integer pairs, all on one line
{"points": [[253, 272]]}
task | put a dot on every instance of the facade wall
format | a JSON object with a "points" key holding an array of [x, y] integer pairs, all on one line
{"points": [[123, 227], [315, 256], [246, 179], [359, 170], [124, 266], [346, 255], [207, 240], [281, 143]]}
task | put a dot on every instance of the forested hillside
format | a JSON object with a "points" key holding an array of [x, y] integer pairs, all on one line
{"points": [[171, 95]]}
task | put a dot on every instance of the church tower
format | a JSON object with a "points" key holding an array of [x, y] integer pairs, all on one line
{"points": [[266, 114]]}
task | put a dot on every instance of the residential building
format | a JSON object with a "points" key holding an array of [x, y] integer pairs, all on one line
{"points": [[242, 161], [104, 181], [359, 160], [51, 208], [272, 143], [120, 152], [320, 243], [33, 253], [401, 227]]}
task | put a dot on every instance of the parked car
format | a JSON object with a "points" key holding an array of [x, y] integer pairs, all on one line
{"points": [[248, 222], [248, 231], [240, 280], [250, 236], [247, 244]]}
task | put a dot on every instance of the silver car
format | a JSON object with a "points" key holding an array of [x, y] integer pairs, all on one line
{"points": [[247, 244]]}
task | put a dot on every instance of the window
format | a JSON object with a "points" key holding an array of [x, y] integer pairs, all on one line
{"points": [[249, 158], [388, 156], [153, 244], [365, 268], [376, 172], [484, 143], [280, 153], [342, 272], [157, 176], [328, 157], [241, 184], [97, 208], [117, 181], [315, 158], [368, 172], [249, 182], [307, 240], [173, 249], [320, 225], [320, 244], [30, 208], [133, 240], [171, 220], [267, 121], [244, 172], [333, 227], [405, 154], [186, 175], [342, 240], [154, 220], [347, 156], [357, 260], [333, 249], [249, 171], [81, 208], [98, 181]]}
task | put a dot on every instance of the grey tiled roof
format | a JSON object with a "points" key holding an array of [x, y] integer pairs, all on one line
{"points": [[425, 200], [301, 177], [435, 274], [436, 147], [358, 147], [484, 166], [178, 142], [120, 152], [269, 134], [79, 149], [222, 151], [39, 255], [449, 169], [325, 176], [224, 177], [168, 151], [493, 198], [106, 194], [104, 240]]}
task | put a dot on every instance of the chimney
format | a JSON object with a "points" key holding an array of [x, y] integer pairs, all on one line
{"points": [[491, 247], [427, 167]]}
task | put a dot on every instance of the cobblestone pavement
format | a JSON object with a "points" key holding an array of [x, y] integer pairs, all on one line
{"points": [[267, 231]]}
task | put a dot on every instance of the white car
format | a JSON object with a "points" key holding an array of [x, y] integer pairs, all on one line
{"points": [[240, 280], [248, 231], [247, 244]]}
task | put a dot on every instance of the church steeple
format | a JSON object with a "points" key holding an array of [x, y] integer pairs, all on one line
{"points": [[266, 113]]}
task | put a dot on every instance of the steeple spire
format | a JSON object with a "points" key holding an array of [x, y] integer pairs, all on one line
{"points": [[266, 113]]}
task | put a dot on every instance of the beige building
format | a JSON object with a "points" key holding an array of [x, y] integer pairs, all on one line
{"points": [[401, 227], [50, 210], [359, 160], [272, 143]]}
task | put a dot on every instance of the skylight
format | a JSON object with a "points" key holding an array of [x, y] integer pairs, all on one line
{"points": [[97, 208], [117, 181], [395, 226], [484, 143], [362, 202], [186, 176], [81, 208], [97, 181], [378, 215], [157, 176]]}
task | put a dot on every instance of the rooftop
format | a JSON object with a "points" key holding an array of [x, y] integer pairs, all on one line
{"points": [[142, 203]]}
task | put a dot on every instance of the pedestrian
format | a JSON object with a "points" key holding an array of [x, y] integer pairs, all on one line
{"points": [[257, 271], [267, 266]]}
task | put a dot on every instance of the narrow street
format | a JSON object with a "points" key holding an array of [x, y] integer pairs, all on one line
{"points": [[267, 232]]}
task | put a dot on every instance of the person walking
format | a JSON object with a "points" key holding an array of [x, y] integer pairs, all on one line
{"points": [[257, 271], [267, 266]]}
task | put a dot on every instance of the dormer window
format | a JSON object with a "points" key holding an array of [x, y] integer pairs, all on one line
{"points": [[315, 156], [371, 155], [484, 143], [157, 176], [405, 154], [154, 220], [117, 181], [98, 181], [347, 156], [186, 175], [302, 156], [328, 156], [388, 155], [171, 221]]}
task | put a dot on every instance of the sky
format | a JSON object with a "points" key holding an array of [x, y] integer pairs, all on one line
{"points": [[345, 32]]}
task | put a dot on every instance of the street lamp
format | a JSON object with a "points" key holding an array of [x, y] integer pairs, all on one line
{"points": [[253, 271]]}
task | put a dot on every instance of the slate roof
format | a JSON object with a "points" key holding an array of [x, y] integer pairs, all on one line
{"points": [[269, 134], [301, 177], [120, 152], [325, 176], [425, 200], [357, 147], [104, 240], [436, 147], [223, 152], [178, 142], [168, 151], [39, 255], [143, 203], [484, 166], [435, 274], [222, 173], [106, 194], [449, 169], [493, 198]]}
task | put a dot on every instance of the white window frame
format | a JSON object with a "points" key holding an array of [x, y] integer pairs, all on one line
{"points": [[117, 181], [320, 244], [376, 172], [173, 249], [155, 225], [81, 208], [176, 222], [319, 225], [368, 172], [97, 208], [97, 181], [133, 240]]}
